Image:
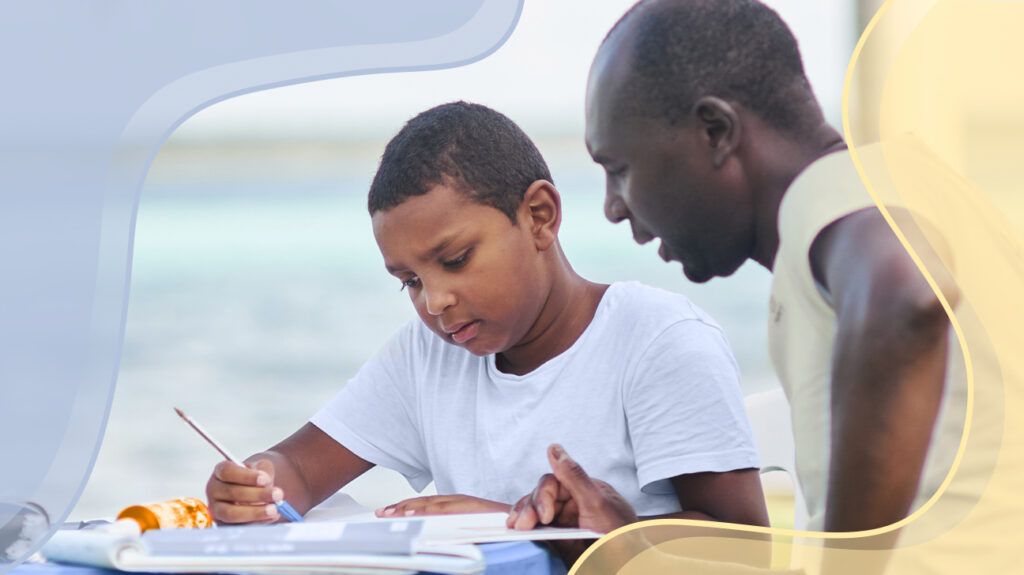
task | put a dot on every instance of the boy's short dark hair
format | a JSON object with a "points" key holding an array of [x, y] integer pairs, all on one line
{"points": [[735, 49], [473, 148]]}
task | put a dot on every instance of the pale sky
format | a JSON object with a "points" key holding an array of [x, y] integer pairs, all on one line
{"points": [[537, 78]]}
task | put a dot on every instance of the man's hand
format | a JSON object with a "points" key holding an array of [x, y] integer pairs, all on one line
{"points": [[442, 505], [568, 497]]}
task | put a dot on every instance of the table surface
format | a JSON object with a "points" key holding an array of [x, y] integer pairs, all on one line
{"points": [[516, 558]]}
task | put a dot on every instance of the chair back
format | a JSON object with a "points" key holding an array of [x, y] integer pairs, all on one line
{"points": [[768, 412]]}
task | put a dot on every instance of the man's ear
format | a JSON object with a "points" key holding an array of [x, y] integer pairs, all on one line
{"points": [[720, 127], [541, 213]]}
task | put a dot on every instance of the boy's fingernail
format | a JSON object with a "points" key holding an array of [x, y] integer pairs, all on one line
{"points": [[271, 510], [389, 511], [262, 479], [277, 494], [409, 512], [540, 509], [558, 452]]}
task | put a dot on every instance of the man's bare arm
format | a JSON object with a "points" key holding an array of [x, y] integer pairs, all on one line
{"points": [[888, 367]]}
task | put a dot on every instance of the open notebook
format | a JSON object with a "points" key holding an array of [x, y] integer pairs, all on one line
{"points": [[341, 537]]}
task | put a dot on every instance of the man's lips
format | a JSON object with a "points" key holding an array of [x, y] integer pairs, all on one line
{"points": [[641, 237], [463, 332], [664, 253]]}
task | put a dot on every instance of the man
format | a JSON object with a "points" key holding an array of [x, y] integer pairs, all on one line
{"points": [[701, 115]]}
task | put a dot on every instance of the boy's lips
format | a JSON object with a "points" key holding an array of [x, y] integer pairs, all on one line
{"points": [[463, 332]]}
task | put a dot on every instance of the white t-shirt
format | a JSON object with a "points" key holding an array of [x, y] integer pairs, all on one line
{"points": [[649, 391]]}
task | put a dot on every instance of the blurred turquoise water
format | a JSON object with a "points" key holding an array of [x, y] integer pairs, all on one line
{"points": [[251, 306]]}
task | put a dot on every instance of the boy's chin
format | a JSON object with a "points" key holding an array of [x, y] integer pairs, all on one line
{"points": [[478, 350], [474, 346]]}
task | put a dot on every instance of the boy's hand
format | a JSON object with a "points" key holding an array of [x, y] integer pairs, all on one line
{"points": [[442, 505], [570, 498], [239, 494]]}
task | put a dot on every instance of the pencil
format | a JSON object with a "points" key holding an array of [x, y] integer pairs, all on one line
{"points": [[283, 507]]}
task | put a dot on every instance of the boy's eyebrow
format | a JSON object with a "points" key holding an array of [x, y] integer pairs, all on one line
{"points": [[431, 253]]}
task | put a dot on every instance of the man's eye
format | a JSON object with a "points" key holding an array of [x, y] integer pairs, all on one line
{"points": [[457, 262], [411, 283], [616, 172]]}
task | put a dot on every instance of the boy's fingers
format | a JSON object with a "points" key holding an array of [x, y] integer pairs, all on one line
{"points": [[571, 475], [220, 491], [225, 512], [232, 473], [266, 471], [399, 509]]}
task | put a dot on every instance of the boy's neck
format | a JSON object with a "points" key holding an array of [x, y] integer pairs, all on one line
{"points": [[568, 310]]}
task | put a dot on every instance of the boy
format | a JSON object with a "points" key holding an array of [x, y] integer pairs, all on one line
{"points": [[638, 382]]}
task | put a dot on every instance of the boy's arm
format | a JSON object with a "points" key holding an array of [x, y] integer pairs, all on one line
{"points": [[888, 367], [305, 469], [310, 466], [730, 497]]}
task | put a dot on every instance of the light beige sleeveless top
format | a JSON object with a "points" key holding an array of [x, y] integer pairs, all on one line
{"points": [[802, 328]]}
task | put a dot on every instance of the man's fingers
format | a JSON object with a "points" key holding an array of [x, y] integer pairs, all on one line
{"points": [[544, 496], [527, 517], [510, 522], [570, 474]]}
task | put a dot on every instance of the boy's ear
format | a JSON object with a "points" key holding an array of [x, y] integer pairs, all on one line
{"points": [[720, 128], [541, 212]]}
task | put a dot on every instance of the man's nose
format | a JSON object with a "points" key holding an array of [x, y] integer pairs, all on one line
{"points": [[437, 299], [614, 208]]}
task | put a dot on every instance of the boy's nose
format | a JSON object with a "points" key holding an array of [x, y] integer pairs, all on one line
{"points": [[438, 300]]}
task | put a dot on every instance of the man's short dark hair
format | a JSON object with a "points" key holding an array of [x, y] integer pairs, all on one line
{"points": [[478, 151], [738, 50]]}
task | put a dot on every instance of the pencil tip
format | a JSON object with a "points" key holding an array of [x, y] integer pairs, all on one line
{"points": [[179, 412]]}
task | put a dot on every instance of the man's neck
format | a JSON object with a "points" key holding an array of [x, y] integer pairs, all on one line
{"points": [[781, 166]]}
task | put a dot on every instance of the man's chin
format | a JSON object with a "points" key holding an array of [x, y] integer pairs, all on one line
{"points": [[697, 275]]}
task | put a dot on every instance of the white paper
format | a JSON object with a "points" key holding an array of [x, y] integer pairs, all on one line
{"points": [[446, 529]]}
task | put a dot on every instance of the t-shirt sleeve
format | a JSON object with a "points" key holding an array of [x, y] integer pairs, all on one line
{"points": [[684, 407], [375, 415]]}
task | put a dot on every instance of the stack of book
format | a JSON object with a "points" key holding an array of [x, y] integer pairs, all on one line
{"points": [[355, 543]]}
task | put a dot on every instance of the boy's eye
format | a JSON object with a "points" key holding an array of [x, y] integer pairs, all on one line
{"points": [[458, 261], [616, 172], [411, 283]]}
